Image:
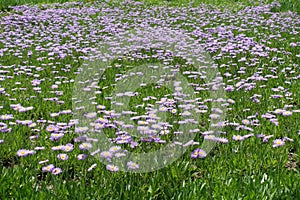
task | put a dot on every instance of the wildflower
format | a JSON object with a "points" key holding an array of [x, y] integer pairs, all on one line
{"points": [[81, 156], [68, 147], [231, 101], [56, 136], [95, 152], [24, 152], [81, 129], [112, 168], [2, 90], [245, 121], [51, 128], [278, 143], [91, 115], [43, 161], [164, 132], [106, 154], [56, 171], [278, 111], [92, 167], [132, 165], [54, 114], [59, 147], [238, 138], [249, 135], [214, 116], [222, 140], [163, 109], [39, 148], [85, 146], [119, 155], [287, 113], [209, 137], [62, 156], [48, 168], [100, 107], [114, 149], [266, 138], [289, 139], [6, 117], [198, 153]]}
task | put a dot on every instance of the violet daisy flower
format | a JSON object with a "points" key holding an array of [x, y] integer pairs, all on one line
{"points": [[81, 156], [85, 146], [56, 136], [287, 113], [106, 154], [48, 168], [112, 168], [278, 143], [51, 128], [198, 153], [114, 149], [238, 138], [6, 117], [132, 165], [56, 171], [24, 152], [62, 156], [68, 147]]}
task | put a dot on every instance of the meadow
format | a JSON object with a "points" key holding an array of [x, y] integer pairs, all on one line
{"points": [[88, 90]]}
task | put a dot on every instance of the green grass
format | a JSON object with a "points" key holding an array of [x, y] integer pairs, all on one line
{"points": [[246, 170]]}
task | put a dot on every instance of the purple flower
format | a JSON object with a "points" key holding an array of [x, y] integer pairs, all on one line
{"points": [[85, 146], [56, 136], [48, 168], [112, 168], [62, 156], [132, 165], [229, 88], [278, 143], [114, 149], [106, 154], [24, 152], [266, 138], [287, 113], [238, 138], [198, 153], [6, 117], [51, 128], [68, 147], [56, 171], [81, 156], [81, 129]]}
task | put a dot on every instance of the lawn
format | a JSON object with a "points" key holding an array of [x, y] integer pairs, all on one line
{"points": [[152, 100]]}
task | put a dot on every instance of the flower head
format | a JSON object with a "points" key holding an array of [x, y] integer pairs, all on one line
{"points": [[85, 146], [132, 165], [112, 168], [198, 153], [238, 138], [278, 143], [62, 156], [48, 168], [24, 152], [56, 171]]}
